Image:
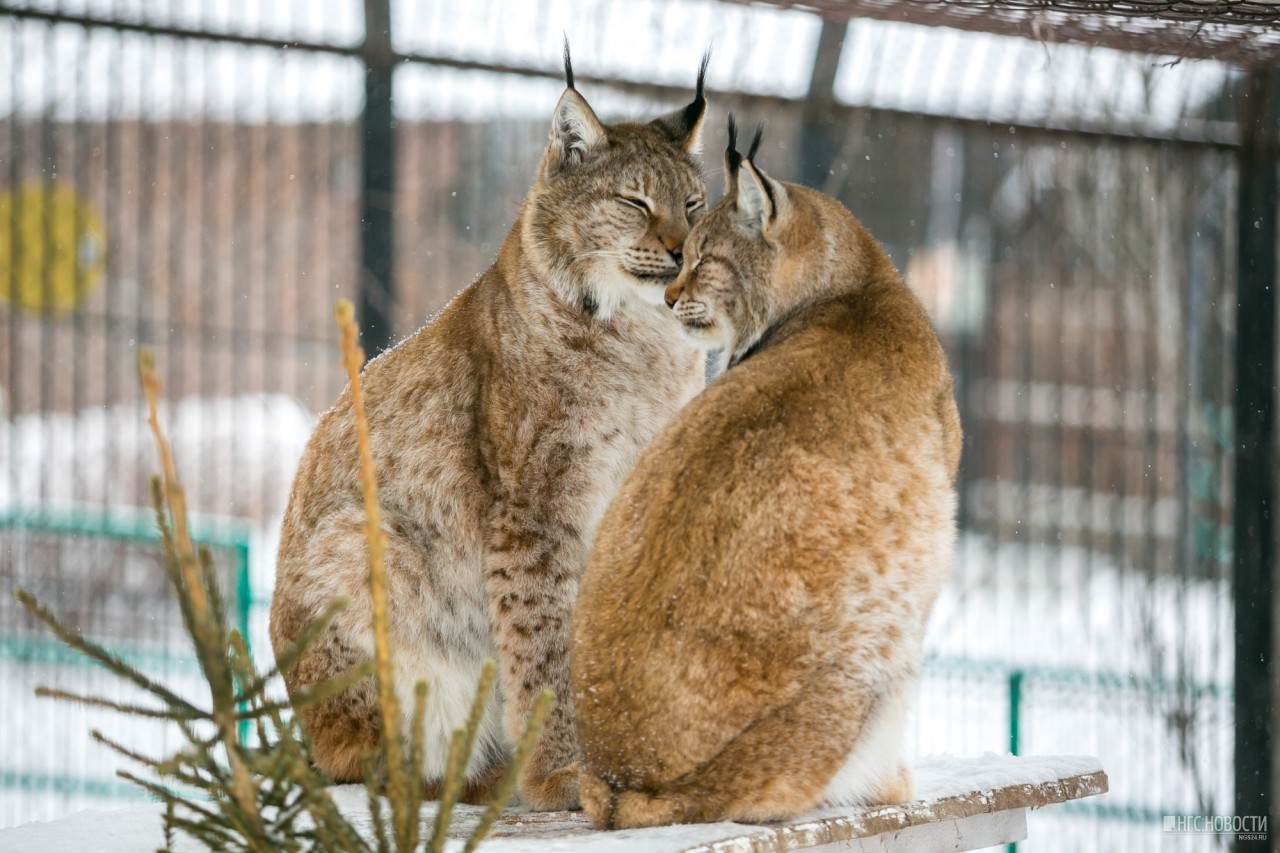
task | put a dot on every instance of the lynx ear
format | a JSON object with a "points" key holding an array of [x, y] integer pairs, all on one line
{"points": [[577, 136], [759, 199], [684, 126]]}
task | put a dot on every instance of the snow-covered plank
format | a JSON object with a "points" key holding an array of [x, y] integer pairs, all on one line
{"points": [[970, 833], [962, 804]]}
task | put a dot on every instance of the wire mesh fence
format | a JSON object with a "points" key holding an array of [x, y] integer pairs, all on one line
{"points": [[188, 177]]}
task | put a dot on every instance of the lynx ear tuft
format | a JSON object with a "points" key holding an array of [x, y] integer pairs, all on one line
{"points": [[755, 142], [568, 64], [732, 159], [684, 126]]}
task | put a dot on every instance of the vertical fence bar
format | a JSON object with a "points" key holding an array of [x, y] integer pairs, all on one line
{"points": [[244, 614], [1254, 498], [1015, 711], [820, 135], [375, 297], [1015, 725]]}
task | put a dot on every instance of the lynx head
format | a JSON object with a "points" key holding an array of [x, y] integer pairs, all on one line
{"points": [[607, 218], [751, 257]]}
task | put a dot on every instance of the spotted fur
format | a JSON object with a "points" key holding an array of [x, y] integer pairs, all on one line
{"points": [[501, 430], [749, 628]]}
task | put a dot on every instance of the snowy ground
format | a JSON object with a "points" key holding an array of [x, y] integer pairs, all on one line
{"points": [[981, 780], [1113, 664]]}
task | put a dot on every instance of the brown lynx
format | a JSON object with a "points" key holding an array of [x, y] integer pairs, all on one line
{"points": [[749, 627], [501, 430]]}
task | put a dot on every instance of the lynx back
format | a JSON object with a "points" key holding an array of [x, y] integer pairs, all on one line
{"points": [[750, 623]]}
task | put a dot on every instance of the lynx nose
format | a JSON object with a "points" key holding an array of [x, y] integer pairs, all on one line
{"points": [[671, 296], [677, 256]]}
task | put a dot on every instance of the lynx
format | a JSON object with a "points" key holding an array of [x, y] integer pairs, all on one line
{"points": [[500, 431], [749, 628]]}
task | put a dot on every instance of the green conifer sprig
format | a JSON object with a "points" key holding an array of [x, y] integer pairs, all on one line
{"points": [[264, 794]]}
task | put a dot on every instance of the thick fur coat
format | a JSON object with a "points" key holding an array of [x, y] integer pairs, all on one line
{"points": [[500, 432], [749, 628]]}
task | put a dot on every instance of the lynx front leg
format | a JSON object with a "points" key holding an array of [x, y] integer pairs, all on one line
{"points": [[533, 573]]}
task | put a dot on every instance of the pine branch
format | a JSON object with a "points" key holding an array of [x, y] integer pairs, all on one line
{"points": [[125, 751], [183, 553], [415, 756], [110, 704], [507, 785], [77, 641], [398, 780], [329, 822], [259, 793], [168, 828], [316, 693], [209, 832], [288, 657], [165, 795], [372, 783], [185, 774], [418, 732], [209, 576], [171, 563], [208, 629], [460, 747]]}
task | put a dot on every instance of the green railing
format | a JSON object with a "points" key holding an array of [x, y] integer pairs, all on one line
{"points": [[233, 536], [1016, 678], [140, 526], [135, 526]]}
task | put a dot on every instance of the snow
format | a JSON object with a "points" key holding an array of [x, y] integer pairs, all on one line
{"points": [[139, 828], [1018, 80], [757, 49], [942, 776], [243, 450]]}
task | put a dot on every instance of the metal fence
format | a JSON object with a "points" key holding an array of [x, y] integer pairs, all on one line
{"points": [[205, 183]]}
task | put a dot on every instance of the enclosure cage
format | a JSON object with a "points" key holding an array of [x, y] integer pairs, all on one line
{"points": [[1073, 196]]}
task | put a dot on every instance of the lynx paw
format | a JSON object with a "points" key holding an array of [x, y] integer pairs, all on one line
{"points": [[898, 788], [634, 809], [549, 792], [597, 799]]}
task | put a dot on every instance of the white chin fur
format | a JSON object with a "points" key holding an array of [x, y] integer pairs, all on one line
{"points": [[650, 294], [618, 290], [714, 338]]}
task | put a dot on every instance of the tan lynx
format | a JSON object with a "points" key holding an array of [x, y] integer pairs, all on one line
{"points": [[749, 628], [501, 430]]}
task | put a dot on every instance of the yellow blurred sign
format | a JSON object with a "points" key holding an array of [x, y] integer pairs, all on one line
{"points": [[52, 247]]}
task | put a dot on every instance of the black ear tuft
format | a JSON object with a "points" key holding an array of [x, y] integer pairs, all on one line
{"points": [[731, 156], [693, 112], [755, 142], [684, 126], [702, 76], [568, 64]]}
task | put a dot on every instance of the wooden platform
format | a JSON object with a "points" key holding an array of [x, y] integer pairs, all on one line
{"points": [[962, 804]]}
